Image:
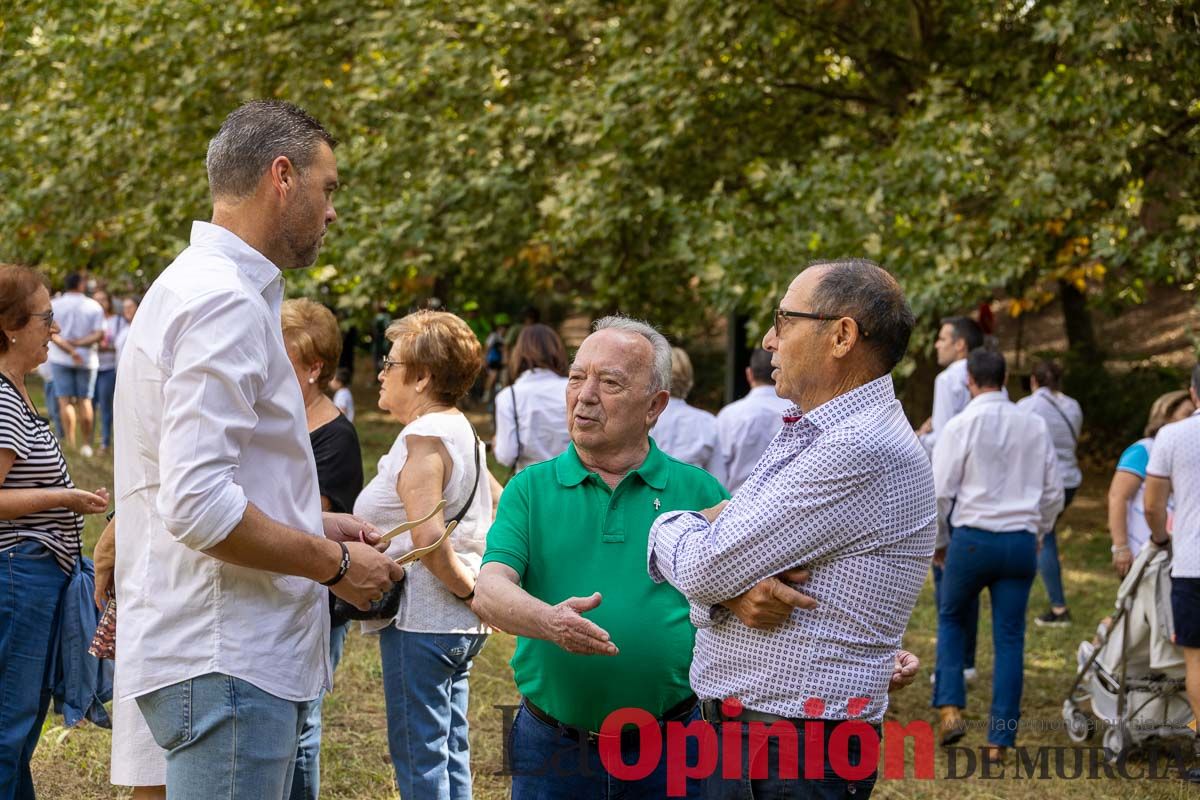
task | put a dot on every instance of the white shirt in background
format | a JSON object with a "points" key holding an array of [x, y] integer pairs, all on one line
{"points": [[426, 605], [1176, 457], [114, 326], [1064, 429], [540, 421], [78, 316], [209, 417], [686, 433], [744, 429], [345, 402], [950, 397], [997, 467]]}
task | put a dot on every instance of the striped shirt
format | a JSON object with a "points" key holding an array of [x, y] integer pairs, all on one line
{"points": [[39, 465]]}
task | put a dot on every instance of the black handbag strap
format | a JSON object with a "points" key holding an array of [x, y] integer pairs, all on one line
{"points": [[474, 484], [516, 425], [1065, 418]]}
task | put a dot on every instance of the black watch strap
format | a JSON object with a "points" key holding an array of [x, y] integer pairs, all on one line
{"points": [[343, 568]]}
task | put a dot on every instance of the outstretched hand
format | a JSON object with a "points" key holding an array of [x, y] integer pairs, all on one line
{"points": [[567, 628]]}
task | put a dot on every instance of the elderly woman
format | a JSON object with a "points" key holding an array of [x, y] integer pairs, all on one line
{"points": [[531, 414], [684, 431], [314, 345], [428, 648], [40, 525], [1126, 514]]}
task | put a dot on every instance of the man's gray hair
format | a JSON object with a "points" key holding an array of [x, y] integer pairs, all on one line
{"points": [[660, 378], [252, 137]]}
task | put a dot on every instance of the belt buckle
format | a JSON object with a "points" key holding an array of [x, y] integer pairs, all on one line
{"points": [[710, 711]]}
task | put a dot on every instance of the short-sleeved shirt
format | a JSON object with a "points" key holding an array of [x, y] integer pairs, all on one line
{"points": [[1176, 456], [39, 465], [339, 463], [567, 534], [1134, 461], [77, 316]]}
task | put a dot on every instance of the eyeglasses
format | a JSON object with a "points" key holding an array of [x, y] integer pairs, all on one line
{"points": [[781, 314], [389, 363], [45, 316]]}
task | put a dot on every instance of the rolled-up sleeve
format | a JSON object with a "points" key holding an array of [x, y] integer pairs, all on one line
{"points": [[215, 374]]}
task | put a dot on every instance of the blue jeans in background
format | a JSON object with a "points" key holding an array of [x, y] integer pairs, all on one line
{"points": [[224, 737], [546, 764], [425, 691], [31, 588], [106, 384], [73, 382], [1048, 566], [52, 409], [1004, 564], [306, 780], [971, 640]]}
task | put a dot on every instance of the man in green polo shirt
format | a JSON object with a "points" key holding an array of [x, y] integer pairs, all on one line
{"points": [[570, 538]]}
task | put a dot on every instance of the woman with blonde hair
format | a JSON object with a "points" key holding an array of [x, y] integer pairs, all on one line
{"points": [[1126, 514], [684, 431], [428, 648]]}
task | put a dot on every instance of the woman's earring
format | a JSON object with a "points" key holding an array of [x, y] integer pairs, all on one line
{"points": [[312, 380]]}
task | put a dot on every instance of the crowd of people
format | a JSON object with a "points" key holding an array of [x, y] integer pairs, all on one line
{"points": [[645, 553]]}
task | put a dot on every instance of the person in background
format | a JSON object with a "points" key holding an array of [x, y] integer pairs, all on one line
{"points": [[1126, 510], [684, 431], [995, 471], [314, 346], [428, 649], [493, 360], [1175, 468], [46, 373], [1064, 421], [41, 521], [129, 309], [341, 392], [531, 413], [956, 338], [745, 427], [106, 368], [75, 362]]}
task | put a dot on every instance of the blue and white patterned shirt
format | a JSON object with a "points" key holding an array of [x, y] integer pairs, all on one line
{"points": [[845, 491]]}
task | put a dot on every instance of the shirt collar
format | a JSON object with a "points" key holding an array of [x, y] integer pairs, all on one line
{"points": [[988, 397], [257, 268], [762, 391], [833, 412], [570, 471]]}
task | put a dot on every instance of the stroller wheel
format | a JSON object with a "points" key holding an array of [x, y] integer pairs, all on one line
{"points": [[1116, 741], [1080, 726]]}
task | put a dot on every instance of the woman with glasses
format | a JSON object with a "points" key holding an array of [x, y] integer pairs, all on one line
{"points": [[428, 648], [41, 520]]}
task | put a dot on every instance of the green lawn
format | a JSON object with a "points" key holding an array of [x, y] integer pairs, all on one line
{"points": [[74, 764]]}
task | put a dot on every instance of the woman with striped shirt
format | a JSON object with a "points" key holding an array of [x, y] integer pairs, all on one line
{"points": [[40, 525]]}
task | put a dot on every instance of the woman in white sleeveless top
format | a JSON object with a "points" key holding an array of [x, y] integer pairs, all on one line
{"points": [[531, 414], [428, 648]]}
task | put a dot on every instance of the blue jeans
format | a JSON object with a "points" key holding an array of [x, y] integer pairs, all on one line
{"points": [[548, 765], [425, 691], [1048, 566], [971, 641], [830, 786], [306, 779], [52, 409], [224, 738], [72, 382], [106, 384], [31, 587], [1004, 564]]}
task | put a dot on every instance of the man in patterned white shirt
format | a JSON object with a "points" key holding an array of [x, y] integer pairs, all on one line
{"points": [[846, 491]]}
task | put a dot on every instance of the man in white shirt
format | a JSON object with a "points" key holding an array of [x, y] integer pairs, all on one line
{"points": [[1174, 472], [957, 337], [995, 473], [224, 634], [745, 427], [74, 361]]}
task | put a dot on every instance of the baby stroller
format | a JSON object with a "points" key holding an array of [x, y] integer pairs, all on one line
{"points": [[1132, 675]]}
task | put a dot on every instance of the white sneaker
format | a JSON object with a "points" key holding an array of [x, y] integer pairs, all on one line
{"points": [[86, 451]]}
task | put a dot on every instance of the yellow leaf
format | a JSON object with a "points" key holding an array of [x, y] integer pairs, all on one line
{"points": [[328, 83], [345, 66]]}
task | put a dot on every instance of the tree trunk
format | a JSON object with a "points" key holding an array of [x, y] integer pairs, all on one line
{"points": [[1077, 320]]}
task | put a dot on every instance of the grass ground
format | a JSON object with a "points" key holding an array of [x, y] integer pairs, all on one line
{"points": [[74, 763]]}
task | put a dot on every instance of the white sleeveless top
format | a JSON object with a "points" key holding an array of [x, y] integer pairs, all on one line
{"points": [[426, 605]]}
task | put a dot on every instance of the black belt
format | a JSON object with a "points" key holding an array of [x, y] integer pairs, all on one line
{"points": [[711, 711], [675, 713]]}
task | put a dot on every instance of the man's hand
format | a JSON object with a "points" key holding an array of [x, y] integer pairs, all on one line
{"points": [[711, 514], [82, 502], [939, 557], [370, 575], [905, 671], [1122, 560], [771, 601], [349, 528], [926, 427], [567, 628]]}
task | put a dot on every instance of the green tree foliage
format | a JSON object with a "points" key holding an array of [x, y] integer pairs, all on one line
{"points": [[668, 158]]}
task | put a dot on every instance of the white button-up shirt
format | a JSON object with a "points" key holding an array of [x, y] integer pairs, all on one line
{"points": [[209, 417], [540, 422], [950, 397], [1176, 457], [744, 429], [78, 316], [996, 467], [687, 433], [1064, 421]]}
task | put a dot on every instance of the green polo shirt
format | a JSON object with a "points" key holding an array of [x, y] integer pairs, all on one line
{"points": [[568, 535]]}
